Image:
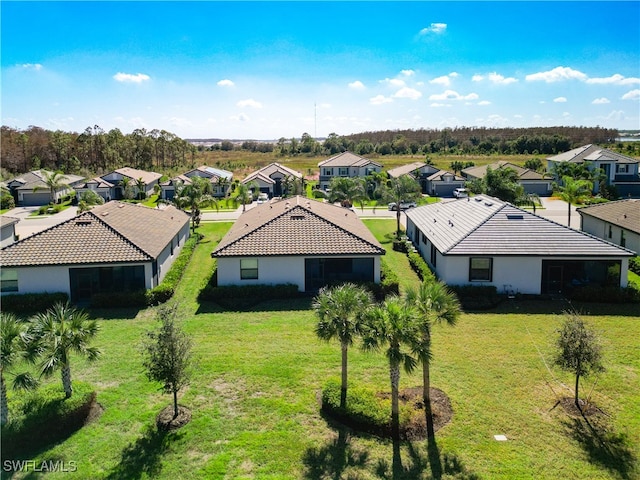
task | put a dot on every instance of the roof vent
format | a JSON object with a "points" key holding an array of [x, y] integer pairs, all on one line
{"points": [[83, 222], [104, 214], [477, 199], [514, 216], [297, 217], [488, 204]]}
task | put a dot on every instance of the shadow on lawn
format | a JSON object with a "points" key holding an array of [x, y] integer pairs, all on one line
{"points": [[243, 305], [144, 456], [605, 447]]}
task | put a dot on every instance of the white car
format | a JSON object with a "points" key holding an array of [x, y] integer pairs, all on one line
{"points": [[461, 193], [403, 205]]}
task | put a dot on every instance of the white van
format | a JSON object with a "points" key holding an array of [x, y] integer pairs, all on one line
{"points": [[461, 193]]}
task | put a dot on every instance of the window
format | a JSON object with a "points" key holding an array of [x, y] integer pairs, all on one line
{"points": [[434, 255], [622, 168], [610, 232], [8, 280], [623, 240], [343, 171], [480, 269], [248, 268], [328, 172], [424, 238]]}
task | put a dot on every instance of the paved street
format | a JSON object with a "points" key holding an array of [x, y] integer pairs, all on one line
{"points": [[553, 209]]}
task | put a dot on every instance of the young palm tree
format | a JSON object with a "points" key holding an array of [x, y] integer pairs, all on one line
{"points": [[574, 191], [393, 324], [54, 181], [339, 311], [401, 189], [434, 303], [60, 331], [126, 185], [141, 186], [243, 194], [15, 345], [194, 196], [348, 191]]}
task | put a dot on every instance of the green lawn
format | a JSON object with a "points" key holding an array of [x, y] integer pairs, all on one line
{"points": [[255, 405]]}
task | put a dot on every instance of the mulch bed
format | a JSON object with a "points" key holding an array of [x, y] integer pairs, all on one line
{"points": [[166, 421], [568, 404]]}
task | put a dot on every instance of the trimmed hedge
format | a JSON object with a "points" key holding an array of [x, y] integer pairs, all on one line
{"points": [[32, 302], [476, 297], [365, 411], [44, 417], [420, 266], [236, 297], [605, 294]]}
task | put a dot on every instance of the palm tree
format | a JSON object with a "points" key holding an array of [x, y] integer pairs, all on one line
{"points": [[402, 189], [348, 191], [15, 345], [528, 198], [59, 331], [194, 196], [54, 181], [340, 311], [573, 192], [243, 194], [125, 183], [393, 324], [141, 186], [434, 303]]}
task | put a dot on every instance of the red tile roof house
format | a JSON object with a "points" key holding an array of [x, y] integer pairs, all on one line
{"points": [[433, 181], [272, 179], [114, 247], [484, 241], [109, 185], [298, 241], [220, 181]]}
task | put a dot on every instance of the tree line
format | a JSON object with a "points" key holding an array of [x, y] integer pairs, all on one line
{"points": [[94, 150]]}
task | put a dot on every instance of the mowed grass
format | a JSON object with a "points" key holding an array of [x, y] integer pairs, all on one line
{"points": [[254, 396]]}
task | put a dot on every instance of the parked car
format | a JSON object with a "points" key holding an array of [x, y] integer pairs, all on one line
{"points": [[263, 197], [461, 193], [403, 205]]}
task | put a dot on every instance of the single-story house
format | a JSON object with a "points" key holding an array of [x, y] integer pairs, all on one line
{"points": [[346, 164], [299, 241], [532, 181], [220, 181], [272, 179], [616, 222], [110, 185], [113, 247], [7, 230], [485, 241], [621, 171], [30, 189], [433, 181]]}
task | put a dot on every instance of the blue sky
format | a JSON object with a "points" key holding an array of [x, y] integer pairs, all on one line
{"points": [[266, 70]]}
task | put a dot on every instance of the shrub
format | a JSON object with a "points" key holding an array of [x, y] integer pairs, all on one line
{"points": [[236, 297], [32, 302], [609, 294], [420, 266], [6, 201], [44, 417], [476, 297], [366, 410], [634, 265]]}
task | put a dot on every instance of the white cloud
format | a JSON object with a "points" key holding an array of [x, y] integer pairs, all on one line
{"points": [[357, 85], [240, 118], [438, 105], [250, 102], [453, 95], [407, 73], [500, 80], [615, 79], [484, 102], [477, 78], [445, 81], [131, 78], [434, 28], [379, 100], [407, 92], [632, 95], [558, 74], [560, 100], [394, 82], [225, 83], [601, 101], [32, 66]]}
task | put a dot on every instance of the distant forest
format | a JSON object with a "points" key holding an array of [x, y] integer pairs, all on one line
{"points": [[98, 151]]}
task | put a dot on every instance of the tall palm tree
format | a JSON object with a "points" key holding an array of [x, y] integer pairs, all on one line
{"points": [[340, 312], [193, 197], [141, 186], [15, 345], [59, 331], [573, 192], [528, 198], [126, 185], [242, 194], [402, 189], [434, 303], [393, 325], [54, 182]]}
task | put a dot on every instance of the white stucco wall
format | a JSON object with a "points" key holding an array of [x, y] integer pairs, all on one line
{"points": [[43, 279], [600, 228], [166, 259]]}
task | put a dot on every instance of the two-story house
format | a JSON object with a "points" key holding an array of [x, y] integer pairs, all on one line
{"points": [[346, 164]]}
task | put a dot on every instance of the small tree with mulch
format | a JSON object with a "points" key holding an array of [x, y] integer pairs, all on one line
{"points": [[167, 359], [579, 350]]}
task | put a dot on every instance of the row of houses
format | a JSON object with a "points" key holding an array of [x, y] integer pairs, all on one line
{"points": [[474, 241], [618, 170]]}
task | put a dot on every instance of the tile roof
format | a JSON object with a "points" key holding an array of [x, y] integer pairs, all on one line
{"points": [[591, 153], [212, 172], [622, 213], [405, 169], [298, 226], [134, 174], [484, 225], [99, 182], [347, 159], [111, 233], [6, 220], [36, 178], [523, 173], [270, 170]]}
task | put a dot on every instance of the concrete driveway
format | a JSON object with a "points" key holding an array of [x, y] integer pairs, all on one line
{"points": [[556, 210], [28, 225]]}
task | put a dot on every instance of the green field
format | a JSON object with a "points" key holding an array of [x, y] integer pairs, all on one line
{"points": [[254, 396]]}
